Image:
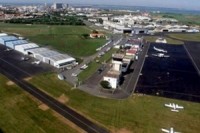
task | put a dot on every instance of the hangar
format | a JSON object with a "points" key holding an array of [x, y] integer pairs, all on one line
{"points": [[45, 55], [24, 47], [5, 38], [51, 57], [12, 44]]}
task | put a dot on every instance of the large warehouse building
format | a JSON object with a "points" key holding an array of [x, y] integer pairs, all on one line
{"points": [[51, 57], [45, 55]]}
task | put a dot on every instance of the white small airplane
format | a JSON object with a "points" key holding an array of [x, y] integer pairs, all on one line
{"points": [[36, 62], [161, 55], [171, 130], [8, 49], [174, 107], [159, 50]]}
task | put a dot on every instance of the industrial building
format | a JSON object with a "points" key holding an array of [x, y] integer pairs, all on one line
{"points": [[45, 55], [51, 57]]}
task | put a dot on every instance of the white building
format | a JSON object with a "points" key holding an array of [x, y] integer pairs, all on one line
{"points": [[51, 57], [45, 55], [113, 78], [24, 47]]}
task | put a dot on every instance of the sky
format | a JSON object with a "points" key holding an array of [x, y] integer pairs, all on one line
{"points": [[181, 4]]}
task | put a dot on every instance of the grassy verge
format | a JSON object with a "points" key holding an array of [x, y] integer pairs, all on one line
{"points": [[67, 39], [19, 113], [169, 40], [93, 66], [136, 114], [187, 37]]}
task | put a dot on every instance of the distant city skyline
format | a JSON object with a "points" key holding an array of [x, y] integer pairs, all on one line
{"points": [[180, 4]]}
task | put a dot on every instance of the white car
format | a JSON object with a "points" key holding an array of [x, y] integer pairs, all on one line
{"points": [[74, 74], [84, 67]]}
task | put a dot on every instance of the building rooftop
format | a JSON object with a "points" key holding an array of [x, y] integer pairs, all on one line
{"points": [[38, 50], [113, 74], [118, 56], [18, 42], [29, 46], [8, 38], [60, 57], [131, 51], [52, 55]]}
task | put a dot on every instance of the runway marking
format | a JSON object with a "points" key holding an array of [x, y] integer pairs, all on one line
{"points": [[15, 67], [46, 94], [198, 71]]}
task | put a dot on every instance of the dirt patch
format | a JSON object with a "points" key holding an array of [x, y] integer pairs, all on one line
{"points": [[63, 98], [9, 83], [43, 107], [27, 79], [122, 130], [69, 123]]}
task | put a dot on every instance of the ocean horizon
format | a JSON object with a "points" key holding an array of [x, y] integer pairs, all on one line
{"points": [[124, 7]]}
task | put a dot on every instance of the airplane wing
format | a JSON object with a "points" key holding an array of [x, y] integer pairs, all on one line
{"points": [[165, 130], [169, 105], [179, 107]]}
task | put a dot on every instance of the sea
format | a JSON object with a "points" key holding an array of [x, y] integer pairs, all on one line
{"points": [[149, 9], [122, 7]]}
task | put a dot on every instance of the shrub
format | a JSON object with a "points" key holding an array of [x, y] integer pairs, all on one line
{"points": [[105, 84]]}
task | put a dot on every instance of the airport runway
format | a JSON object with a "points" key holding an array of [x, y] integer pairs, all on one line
{"points": [[17, 74]]}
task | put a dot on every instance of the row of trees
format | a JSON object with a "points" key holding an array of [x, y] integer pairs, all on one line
{"points": [[50, 20]]}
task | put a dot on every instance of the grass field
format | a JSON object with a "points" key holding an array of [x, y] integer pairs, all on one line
{"points": [[93, 66], [169, 40], [187, 37], [67, 39], [19, 113], [137, 114]]}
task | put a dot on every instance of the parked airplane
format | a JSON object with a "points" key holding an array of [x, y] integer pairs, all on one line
{"points": [[171, 130], [8, 49], [159, 50], [36, 62], [24, 58], [174, 107], [161, 55]]}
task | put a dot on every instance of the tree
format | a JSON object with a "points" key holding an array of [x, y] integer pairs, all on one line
{"points": [[101, 21], [95, 32], [105, 84], [85, 35]]}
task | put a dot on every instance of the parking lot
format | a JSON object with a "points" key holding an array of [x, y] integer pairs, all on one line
{"points": [[173, 77]]}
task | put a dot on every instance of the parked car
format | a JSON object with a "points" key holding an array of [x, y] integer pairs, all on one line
{"points": [[74, 74]]}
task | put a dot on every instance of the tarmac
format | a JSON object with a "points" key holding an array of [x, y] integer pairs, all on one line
{"points": [[173, 77]]}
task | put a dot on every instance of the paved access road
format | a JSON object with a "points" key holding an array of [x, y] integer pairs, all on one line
{"points": [[86, 60], [16, 74], [128, 86]]}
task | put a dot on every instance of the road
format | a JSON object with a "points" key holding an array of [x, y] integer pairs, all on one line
{"points": [[86, 60], [126, 89], [16, 74]]}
